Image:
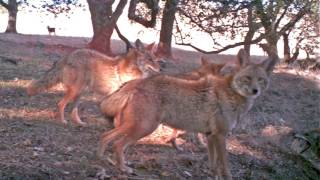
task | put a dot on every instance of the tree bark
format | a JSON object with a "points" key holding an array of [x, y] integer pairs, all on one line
{"points": [[164, 47], [286, 48], [103, 23], [252, 29], [12, 8], [100, 10]]}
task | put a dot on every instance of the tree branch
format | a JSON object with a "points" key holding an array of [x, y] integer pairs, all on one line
{"points": [[123, 38], [5, 5], [281, 17], [152, 5], [265, 20], [222, 49], [117, 13], [293, 21]]}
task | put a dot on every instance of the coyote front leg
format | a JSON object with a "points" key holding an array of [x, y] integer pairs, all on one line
{"points": [[68, 97], [222, 157], [218, 157]]}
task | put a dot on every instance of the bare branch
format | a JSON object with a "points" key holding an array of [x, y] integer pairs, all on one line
{"points": [[152, 5], [222, 49], [295, 19], [117, 13], [265, 20], [5, 5], [123, 38], [281, 17]]}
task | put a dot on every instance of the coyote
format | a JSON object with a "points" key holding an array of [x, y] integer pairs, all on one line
{"points": [[111, 104], [211, 105], [51, 30], [114, 100], [86, 68]]}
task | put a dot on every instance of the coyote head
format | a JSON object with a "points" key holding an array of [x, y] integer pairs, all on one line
{"points": [[144, 58], [252, 79], [209, 68]]}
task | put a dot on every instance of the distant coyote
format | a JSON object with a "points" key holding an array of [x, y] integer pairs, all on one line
{"points": [[211, 105], [51, 30], [86, 68]]}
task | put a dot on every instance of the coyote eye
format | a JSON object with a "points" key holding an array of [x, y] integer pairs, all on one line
{"points": [[246, 79], [261, 80]]}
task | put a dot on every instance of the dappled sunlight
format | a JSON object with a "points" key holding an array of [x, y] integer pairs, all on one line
{"points": [[26, 113], [273, 131], [310, 75], [16, 83], [235, 146], [19, 83], [160, 136]]}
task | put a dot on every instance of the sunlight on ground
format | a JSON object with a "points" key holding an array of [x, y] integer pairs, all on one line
{"points": [[236, 147], [275, 133], [160, 136], [310, 75], [26, 113], [14, 83]]}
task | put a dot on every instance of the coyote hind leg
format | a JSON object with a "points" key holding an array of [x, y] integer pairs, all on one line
{"points": [[69, 96], [74, 113]]}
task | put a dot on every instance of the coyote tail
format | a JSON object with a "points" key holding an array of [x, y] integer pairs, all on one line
{"points": [[49, 79]]}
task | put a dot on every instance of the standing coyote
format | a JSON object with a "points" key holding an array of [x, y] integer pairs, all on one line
{"points": [[86, 68], [112, 104], [211, 105], [51, 30]]}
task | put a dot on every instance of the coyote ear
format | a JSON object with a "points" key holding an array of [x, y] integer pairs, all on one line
{"points": [[139, 45], [131, 54], [218, 67], [270, 63], [204, 61], [228, 69], [243, 58], [150, 46]]}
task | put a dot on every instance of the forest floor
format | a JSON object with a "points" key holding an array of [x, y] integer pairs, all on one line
{"points": [[34, 146]]}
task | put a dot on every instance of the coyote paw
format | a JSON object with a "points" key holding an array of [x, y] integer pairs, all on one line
{"points": [[126, 169], [76, 119], [80, 123], [63, 121], [111, 161]]}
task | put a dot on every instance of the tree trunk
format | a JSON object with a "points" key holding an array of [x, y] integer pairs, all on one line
{"points": [[12, 21], [272, 38], [252, 29], [286, 48], [164, 47], [103, 22], [100, 41]]}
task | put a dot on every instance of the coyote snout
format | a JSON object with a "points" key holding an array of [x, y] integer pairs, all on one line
{"points": [[211, 105]]}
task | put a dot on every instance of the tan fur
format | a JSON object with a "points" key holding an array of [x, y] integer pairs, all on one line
{"points": [[211, 105], [117, 98], [112, 104], [88, 69]]}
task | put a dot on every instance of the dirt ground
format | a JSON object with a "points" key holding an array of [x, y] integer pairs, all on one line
{"points": [[34, 146]]}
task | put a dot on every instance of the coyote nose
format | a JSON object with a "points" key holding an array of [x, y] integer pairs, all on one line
{"points": [[254, 91]]}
